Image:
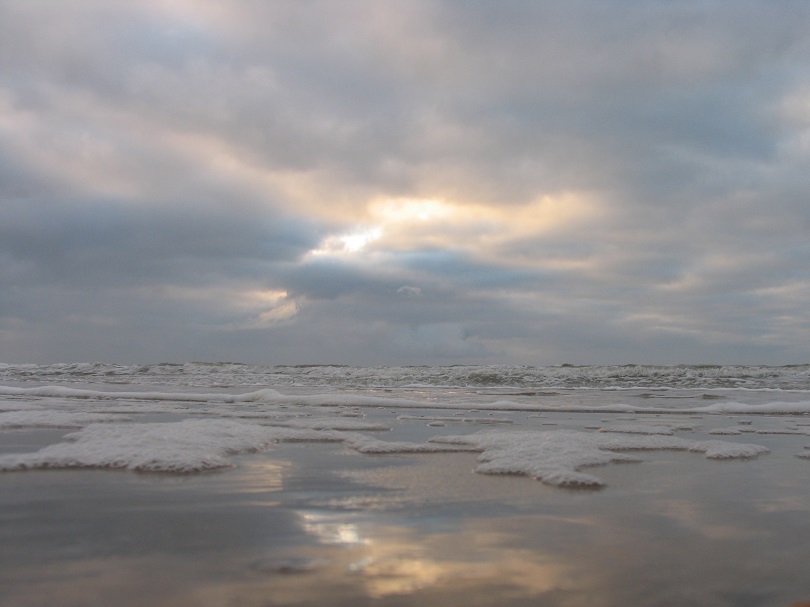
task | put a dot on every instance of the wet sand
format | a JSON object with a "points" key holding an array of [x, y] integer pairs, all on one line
{"points": [[319, 524]]}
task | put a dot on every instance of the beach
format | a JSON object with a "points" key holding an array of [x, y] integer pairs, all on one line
{"points": [[147, 493], [404, 304]]}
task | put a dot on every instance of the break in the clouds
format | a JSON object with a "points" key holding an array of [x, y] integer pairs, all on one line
{"points": [[407, 182]]}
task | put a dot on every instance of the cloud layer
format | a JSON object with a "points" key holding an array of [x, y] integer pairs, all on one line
{"points": [[416, 182]]}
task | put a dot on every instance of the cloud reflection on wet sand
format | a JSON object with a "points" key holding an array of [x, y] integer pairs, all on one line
{"points": [[329, 526]]}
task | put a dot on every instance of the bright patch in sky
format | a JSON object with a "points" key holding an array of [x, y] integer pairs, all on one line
{"points": [[352, 242], [402, 210], [390, 217]]}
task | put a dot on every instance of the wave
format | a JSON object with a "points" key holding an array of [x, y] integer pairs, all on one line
{"points": [[226, 374], [344, 399]]}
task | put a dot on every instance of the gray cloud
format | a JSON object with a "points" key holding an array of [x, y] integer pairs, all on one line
{"points": [[99, 243], [176, 179]]}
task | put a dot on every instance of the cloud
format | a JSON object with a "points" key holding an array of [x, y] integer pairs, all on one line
{"points": [[409, 291], [423, 181]]}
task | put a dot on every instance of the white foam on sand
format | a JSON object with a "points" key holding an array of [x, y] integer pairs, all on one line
{"points": [[44, 418], [185, 446], [556, 457], [194, 445]]}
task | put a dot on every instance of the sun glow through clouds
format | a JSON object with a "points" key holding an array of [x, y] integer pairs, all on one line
{"points": [[483, 231], [403, 210], [390, 217], [351, 242]]}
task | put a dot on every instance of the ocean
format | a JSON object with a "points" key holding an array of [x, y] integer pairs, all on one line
{"points": [[233, 484]]}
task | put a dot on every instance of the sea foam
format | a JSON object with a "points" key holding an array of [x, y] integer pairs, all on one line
{"points": [[190, 445], [554, 457], [205, 429], [557, 457]]}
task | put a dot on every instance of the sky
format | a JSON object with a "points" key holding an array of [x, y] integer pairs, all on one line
{"points": [[372, 182]]}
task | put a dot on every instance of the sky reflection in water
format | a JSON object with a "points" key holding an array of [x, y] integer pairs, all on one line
{"points": [[317, 524]]}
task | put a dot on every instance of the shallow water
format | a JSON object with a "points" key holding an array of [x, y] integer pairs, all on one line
{"points": [[320, 523], [315, 524]]}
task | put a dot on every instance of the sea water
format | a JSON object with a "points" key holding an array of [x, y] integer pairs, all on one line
{"points": [[229, 484]]}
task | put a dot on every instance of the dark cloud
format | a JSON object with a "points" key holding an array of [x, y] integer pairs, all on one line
{"points": [[105, 243]]}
